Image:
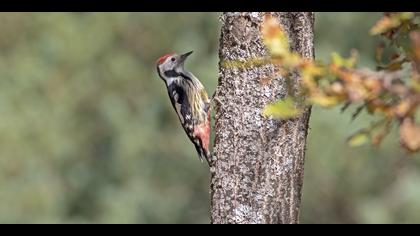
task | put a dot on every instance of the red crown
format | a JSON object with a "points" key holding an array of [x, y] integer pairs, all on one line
{"points": [[163, 58]]}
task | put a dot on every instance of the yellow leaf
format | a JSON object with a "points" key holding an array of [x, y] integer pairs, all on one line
{"points": [[283, 109], [405, 15], [358, 139], [291, 60], [309, 72], [312, 70], [337, 88], [410, 135], [344, 62], [415, 85], [403, 108], [372, 84], [391, 21], [384, 24], [323, 100], [415, 38], [274, 37], [379, 106]]}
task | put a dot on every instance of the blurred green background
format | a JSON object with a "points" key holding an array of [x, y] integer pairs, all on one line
{"points": [[88, 135]]}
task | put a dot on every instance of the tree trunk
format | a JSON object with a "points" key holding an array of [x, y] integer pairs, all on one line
{"points": [[257, 170]]}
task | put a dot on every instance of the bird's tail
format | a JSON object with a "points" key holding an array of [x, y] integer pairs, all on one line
{"points": [[202, 142], [203, 154]]}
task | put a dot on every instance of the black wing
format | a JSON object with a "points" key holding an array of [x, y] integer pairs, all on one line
{"points": [[182, 107]]}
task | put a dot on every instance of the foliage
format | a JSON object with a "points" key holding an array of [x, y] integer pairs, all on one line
{"points": [[391, 92]]}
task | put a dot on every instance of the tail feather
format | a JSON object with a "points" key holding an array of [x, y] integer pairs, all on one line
{"points": [[201, 139], [202, 153]]}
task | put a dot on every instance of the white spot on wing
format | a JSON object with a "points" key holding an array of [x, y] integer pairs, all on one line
{"points": [[178, 111]]}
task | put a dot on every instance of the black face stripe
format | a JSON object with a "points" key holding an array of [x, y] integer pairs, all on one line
{"points": [[171, 73], [174, 74]]}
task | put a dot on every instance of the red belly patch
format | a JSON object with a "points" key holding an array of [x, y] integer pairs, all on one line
{"points": [[202, 131]]}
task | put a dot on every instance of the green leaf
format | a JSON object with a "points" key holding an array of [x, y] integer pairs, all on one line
{"points": [[343, 62], [283, 109], [358, 139]]}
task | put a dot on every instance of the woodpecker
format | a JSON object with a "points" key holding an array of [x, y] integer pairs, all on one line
{"points": [[189, 99]]}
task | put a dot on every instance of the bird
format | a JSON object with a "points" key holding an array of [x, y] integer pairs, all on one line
{"points": [[189, 99]]}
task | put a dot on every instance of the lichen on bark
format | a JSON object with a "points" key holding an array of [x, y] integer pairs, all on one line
{"points": [[257, 167]]}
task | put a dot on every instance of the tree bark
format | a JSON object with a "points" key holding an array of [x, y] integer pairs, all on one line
{"points": [[258, 163]]}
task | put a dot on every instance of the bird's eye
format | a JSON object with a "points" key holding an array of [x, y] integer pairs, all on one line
{"points": [[173, 59]]}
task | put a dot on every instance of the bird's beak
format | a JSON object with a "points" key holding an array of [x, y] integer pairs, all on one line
{"points": [[184, 56]]}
